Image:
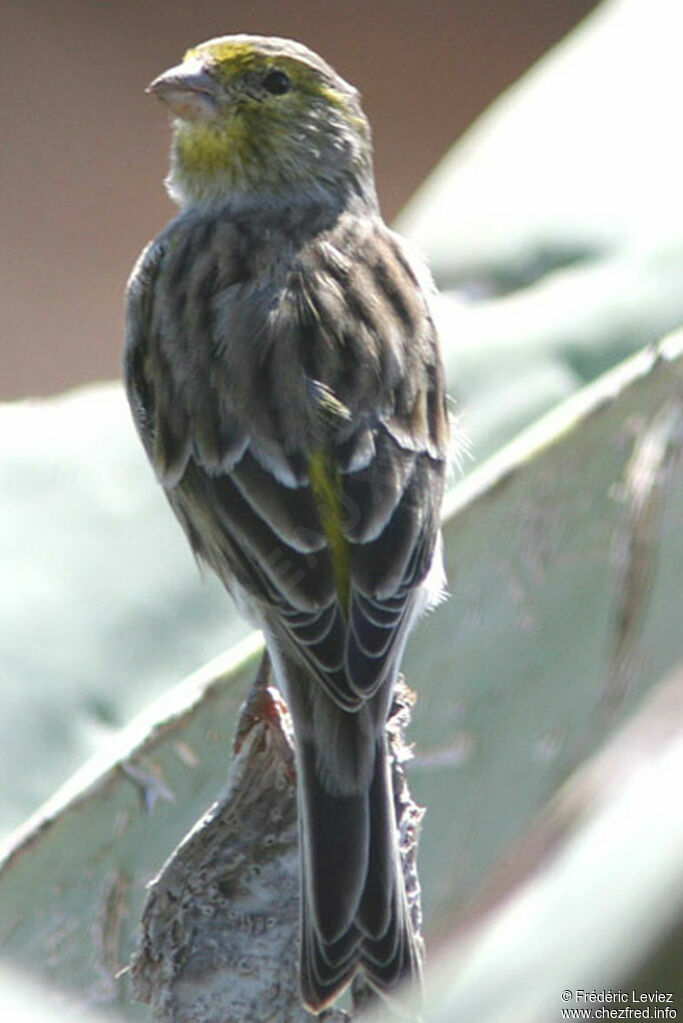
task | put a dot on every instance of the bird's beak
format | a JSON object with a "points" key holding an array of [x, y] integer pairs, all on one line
{"points": [[188, 90]]}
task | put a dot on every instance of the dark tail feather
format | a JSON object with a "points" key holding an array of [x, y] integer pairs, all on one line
{"points": [[354, 910]]}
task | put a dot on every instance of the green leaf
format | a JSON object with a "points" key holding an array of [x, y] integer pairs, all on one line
{"points": [[564, 557]]}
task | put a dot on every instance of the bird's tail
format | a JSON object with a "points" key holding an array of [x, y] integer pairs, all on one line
{"points": [[355, 914]]}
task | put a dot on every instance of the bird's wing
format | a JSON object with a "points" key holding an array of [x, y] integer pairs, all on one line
{"points": [[312, 471]]}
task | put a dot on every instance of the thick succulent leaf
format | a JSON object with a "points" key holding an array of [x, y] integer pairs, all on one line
{"points": [[586, 912], [564, 557], [554, 227], [96, 575], [102, 837], [577, 161]]}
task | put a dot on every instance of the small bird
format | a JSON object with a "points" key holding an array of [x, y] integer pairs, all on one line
{"points": [[283, 371]]}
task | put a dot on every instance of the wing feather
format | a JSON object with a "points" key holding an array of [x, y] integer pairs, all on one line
{"points": [[234, 466]]}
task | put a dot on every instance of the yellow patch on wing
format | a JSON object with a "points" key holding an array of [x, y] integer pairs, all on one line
{"points": [[327, 493]]}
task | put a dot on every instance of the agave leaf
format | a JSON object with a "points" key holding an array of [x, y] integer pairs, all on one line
{"points": [[564, 556]]}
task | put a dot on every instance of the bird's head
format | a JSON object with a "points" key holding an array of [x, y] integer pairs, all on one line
{"points": [[264, 120]]}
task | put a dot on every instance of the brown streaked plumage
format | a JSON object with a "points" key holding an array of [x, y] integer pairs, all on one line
{"points": [[283, 371]]}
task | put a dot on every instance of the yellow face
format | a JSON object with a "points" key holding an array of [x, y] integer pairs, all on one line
{"points": [[261, 113], [243, 64]]}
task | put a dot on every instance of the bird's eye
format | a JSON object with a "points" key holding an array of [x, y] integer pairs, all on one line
{"points": [[277, 82]]}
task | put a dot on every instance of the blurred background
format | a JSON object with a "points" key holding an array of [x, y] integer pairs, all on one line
{"points": [[85, 151]]}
